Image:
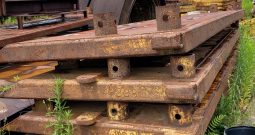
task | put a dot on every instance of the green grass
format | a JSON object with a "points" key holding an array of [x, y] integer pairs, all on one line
{"points": [[6, 88], [13, 20], [9, 20], [232, 110], [61, 113], [247, 5]]}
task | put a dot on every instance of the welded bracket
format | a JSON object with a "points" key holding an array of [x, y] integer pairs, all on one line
{"points": [[168, 17], [180, 115], [213, 8], [117, 110], [183, 66], [105, 24]]}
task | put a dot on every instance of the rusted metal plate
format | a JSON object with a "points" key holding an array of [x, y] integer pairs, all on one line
{"points": [[9, 36], [143, 85], [144, 119], [137, 39], [8, 107]]}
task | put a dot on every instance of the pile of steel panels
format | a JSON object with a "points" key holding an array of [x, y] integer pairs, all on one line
{"points": [[158, 77], [221, 4]]}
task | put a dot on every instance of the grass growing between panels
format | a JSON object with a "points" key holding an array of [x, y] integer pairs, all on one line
{"points": [[233, 108], [2, 131], [62, 125]]}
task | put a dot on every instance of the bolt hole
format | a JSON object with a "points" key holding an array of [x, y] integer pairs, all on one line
{"points": [[115, 68], [178, 116], [114, 112], [165, 18], [180, 68], [100, 24]]}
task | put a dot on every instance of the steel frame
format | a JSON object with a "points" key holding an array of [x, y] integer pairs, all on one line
{"points": [[140, 121], [141, 86], [132, 40]]}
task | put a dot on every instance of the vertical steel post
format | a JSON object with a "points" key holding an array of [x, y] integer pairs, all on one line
{"points": [[105, 24], [20, 20]]}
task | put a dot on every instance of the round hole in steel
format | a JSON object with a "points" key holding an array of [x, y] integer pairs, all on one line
{"points": [[100, 24], [165, 18], [114, 112], [115, 68], [180, 68], [178, 116]]}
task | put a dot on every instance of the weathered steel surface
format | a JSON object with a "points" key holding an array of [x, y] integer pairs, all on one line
{"points": [[9, 107], [140, 122], [132, 40], [8, 36], [145, 84]]}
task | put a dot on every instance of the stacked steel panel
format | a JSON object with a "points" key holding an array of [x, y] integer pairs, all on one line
{"points": [[161, 77], [221, 4]]}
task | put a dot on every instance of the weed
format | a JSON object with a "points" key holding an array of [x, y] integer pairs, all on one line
{"points": [[62, 125], [5, 88], [16, 78], [2, 131], [232, 109]]}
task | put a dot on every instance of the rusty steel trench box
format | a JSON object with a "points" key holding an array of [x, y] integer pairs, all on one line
{"points": [[178, 116], [157, 77], [145, 84], [140, 122]]}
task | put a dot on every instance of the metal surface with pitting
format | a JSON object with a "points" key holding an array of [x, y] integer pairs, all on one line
{"points": [[144, 84], [140, 121], [137, 39]]}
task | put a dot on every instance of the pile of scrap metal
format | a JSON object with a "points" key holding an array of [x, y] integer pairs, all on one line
{"points": [[162, 76]]}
